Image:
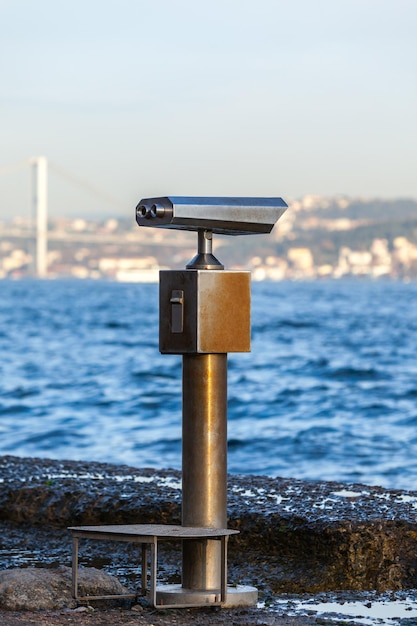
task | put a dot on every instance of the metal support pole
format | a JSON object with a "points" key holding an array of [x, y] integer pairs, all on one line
{"points": [[204, 259], [204, 465]]}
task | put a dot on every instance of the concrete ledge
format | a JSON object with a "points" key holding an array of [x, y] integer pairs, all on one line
{"points": [[295, 536]]}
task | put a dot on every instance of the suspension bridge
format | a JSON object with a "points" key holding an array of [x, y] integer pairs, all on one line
{"points": [[39, 169]]}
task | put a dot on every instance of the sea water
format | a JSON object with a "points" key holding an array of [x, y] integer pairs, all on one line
{"points": [[328, 392]]}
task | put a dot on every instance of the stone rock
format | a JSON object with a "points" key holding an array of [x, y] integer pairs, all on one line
{"points": [[35, 589]]}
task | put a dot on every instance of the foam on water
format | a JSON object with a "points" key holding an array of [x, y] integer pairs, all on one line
{"points": [[370, 613]]}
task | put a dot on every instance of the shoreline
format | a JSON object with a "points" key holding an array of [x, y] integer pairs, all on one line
{"points": [[313, 536], [296, 537]]}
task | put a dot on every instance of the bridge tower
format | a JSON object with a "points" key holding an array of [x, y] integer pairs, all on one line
{"points": [[40, 206]]}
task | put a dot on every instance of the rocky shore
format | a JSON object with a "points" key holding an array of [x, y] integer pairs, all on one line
{"points": [[296, 537]]}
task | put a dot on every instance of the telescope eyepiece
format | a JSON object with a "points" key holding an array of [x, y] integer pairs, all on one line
{"points": [[143, 211], [150, 211]]}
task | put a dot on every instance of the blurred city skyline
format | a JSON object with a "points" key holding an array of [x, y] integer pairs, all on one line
{"points": [[224, 98]]}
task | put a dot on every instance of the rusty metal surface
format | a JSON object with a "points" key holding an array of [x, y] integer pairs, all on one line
{"points": [[223, 312], [216, 312]]}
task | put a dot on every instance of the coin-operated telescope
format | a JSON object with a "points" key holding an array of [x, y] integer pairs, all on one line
{"points": [[226, 216], [204, 314]]}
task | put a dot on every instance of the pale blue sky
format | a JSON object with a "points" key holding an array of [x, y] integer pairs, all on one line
{"points": [[227, 97]]}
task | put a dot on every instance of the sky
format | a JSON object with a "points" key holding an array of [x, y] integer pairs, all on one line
{"points": [[139, 98]]}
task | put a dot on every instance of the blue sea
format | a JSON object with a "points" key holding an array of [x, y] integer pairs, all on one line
{"points": [[328, 392]]}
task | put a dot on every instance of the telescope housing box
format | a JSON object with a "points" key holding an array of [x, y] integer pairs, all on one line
{"points": [[204, 311]]}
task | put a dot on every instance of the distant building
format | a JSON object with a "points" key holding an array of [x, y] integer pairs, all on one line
{"points": [[301, 260]]}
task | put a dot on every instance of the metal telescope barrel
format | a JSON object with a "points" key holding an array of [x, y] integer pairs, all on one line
{"points": [[225, 216]]}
